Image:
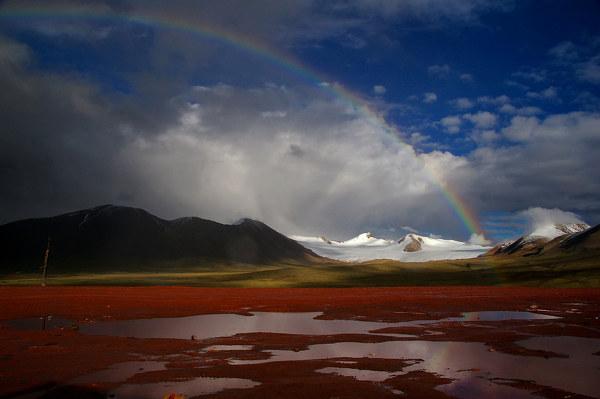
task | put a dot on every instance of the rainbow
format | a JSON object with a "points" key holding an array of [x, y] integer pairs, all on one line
{"points": [[459, 206]]}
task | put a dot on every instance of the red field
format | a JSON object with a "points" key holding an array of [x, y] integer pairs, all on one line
{"points": [[46, 361]]}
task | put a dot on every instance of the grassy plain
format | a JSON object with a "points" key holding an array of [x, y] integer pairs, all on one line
{"points": [[558, 271]]}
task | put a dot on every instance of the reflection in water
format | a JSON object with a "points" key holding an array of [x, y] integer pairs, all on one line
{"points": [[359, 374], [499, 315], [579, 373], [223, 348], [478, 387], [224, 325], [471, 364], [121, 372]]}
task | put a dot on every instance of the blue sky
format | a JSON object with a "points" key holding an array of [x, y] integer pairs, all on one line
{"points": [[498, 100]]}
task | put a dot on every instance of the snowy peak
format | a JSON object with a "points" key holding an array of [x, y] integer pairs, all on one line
{"points": [[572, 227], [412, 247], [411, 243], [535, 242], [551, 231], [414, 242], [365, 239]]}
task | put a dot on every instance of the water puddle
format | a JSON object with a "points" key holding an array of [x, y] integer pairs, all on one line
{"points": [[225, 348], [121, 372], [472, 365], [225, 325], [478, 387], [579, 373], [500, 315], [359, 374]]}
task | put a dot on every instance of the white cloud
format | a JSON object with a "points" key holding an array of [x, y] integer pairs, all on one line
{"points": [[589, 71], [430, 10], [546, 94], [485, 136], [549, 164], [526, 111], [429, 97], [508, 109], [579, 125], [518, 85], [451, 123], [478, 239], [539, 218], [503, 99], [273, 114], [532, 75], [564, 51], [379, 89], [462, 103], [439, 71], [417, 138], [482, 119], [308, 172], [522, 128], [466, 77]]}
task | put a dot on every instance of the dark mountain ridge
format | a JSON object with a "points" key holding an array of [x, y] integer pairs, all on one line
{"points": [[106, 236]]}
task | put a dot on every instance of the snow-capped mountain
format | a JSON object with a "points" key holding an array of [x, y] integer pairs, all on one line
{"points": [[410, 248], [534, 242], [552, 231]]}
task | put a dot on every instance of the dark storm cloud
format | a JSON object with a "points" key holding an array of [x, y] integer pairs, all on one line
{"points": [[549, 164], [286, 153], [60, 136], [290, 156], [287, 156]]}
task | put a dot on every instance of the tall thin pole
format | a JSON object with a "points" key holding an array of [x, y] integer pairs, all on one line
{"points": [[45, 265]]}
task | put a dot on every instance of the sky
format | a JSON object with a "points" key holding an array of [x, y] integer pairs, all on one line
{"points": [[454, 118]]}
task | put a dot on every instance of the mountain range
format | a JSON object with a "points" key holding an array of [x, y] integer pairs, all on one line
{"points": [[109, 237], [117, 238], [410, 248]]}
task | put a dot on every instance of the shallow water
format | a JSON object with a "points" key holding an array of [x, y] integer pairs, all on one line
{"points": [[578, 373], [359, 374], [121, 372], [477, 387], [225, 325], [472, 365]]}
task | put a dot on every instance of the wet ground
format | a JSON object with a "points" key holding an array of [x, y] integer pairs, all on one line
{"points": [[475, 342]]}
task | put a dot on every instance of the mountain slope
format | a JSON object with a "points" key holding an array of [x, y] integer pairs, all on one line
{"points": [[551, 239], [410, 248], [109, 236]]}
